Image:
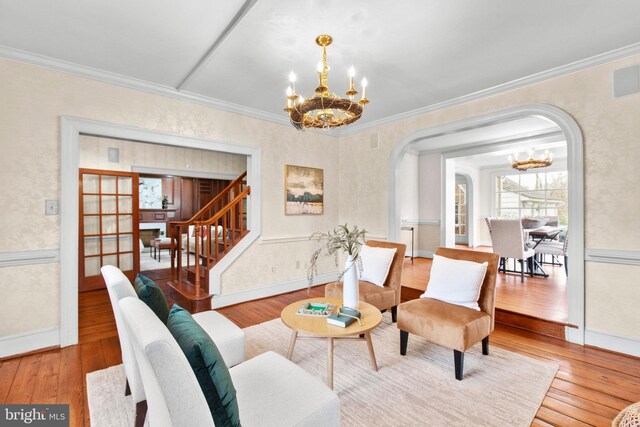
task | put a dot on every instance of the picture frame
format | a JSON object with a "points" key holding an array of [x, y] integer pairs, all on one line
{"points": [[303, 190]]}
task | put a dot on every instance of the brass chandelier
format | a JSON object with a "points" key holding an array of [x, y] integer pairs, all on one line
{"points": [[530, 162], [325, 109]]}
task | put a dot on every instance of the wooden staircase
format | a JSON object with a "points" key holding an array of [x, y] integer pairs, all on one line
{"points": [[224, 217]]}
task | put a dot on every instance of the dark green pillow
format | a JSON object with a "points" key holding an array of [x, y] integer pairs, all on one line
{"points": [[208, 365], [149, 292]]}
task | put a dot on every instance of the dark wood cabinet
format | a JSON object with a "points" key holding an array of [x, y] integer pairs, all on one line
{"points": [[169, 190], [186, 197], [188, 204]]}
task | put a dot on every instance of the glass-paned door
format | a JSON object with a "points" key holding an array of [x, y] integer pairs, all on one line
{"points": [[461, 213], [109, 233]]}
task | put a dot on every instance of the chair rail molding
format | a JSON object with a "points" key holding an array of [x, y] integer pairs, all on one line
{"points": [[612, 256], [71, 129], [420, 221], [573, 135], [305, 238], [41, 256]]}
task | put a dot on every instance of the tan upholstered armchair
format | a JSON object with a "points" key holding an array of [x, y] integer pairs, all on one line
{"points": [[449, 325], [388, 296]]}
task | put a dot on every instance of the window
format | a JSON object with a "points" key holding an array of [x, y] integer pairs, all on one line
{"points": [[533, 194], [461, 210]]}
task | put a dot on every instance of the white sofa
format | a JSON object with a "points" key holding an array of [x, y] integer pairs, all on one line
{"points": [[190, 239], [229, 338], [271, 390]]}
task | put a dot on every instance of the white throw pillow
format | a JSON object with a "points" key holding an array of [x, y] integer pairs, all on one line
{"points": [[376, 263], [456, 281]]}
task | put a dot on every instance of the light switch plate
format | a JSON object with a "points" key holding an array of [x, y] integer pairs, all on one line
{"points": [[51, 207]]}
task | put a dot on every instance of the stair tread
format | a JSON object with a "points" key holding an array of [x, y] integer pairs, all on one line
{"points": [[187, 290]]}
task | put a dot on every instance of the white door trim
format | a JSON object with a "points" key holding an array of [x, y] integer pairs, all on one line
{"points": [[71, 129], [575, 164]]}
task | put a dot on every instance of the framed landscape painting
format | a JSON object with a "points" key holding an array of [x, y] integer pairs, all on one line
{"points": [[304, 193]]}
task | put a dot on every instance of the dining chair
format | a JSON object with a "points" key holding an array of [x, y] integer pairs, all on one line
{"points": [[507, 239], [555, 249]]}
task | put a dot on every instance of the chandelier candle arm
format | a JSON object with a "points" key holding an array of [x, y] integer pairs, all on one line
{"points": [[352, 90], [292, 80]]}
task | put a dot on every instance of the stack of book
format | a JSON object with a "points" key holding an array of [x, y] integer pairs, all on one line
{"points": [[344, 317]]}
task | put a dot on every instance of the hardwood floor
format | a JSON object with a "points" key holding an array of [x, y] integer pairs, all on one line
{"points": [[590, 387], [544, 298]]}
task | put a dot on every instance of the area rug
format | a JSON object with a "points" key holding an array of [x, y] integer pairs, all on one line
{"points": [[419, 389]]}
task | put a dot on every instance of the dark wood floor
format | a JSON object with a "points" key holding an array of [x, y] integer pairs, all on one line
{"points": [[590, 387]]}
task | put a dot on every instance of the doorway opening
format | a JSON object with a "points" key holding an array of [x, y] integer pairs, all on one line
{"points": [[73, 130], [440, 148]]}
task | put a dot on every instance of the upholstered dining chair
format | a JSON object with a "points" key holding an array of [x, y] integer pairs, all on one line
{"points": [[507, 239], [555, 249], [385, 297], [450, 325]]}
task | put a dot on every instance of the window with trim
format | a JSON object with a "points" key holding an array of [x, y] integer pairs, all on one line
{"points": [[533, 194]]}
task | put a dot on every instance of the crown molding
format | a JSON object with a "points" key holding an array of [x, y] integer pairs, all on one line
{"points": [[133, 83], [562, 70], [137, 84]]}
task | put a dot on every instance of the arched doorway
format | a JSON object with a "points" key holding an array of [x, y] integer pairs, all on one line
{"points": [[573, 137]]}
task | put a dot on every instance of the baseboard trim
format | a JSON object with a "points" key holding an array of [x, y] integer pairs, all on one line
{"points": [[425, 254], [269, 290], [44, 256], [612, 342], [27, 342]]}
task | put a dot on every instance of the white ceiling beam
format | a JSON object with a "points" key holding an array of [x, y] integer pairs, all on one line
{"points": [[246, 7]]}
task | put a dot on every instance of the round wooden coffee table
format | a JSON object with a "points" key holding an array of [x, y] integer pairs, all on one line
{"points": [[318, 328]]}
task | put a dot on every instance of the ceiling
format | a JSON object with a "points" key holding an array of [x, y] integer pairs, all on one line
{"points": [[415, 53], [505, 138]]}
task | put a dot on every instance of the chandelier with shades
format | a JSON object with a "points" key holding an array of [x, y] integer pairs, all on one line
{"points": [[530, 162], [325, 109]]}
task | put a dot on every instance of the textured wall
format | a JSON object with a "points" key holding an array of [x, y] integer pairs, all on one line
{"points": [[610, 129], [32, 101], [93, 154]]}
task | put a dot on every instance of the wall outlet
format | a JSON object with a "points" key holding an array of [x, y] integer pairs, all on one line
{"points": [[51, 207]]}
